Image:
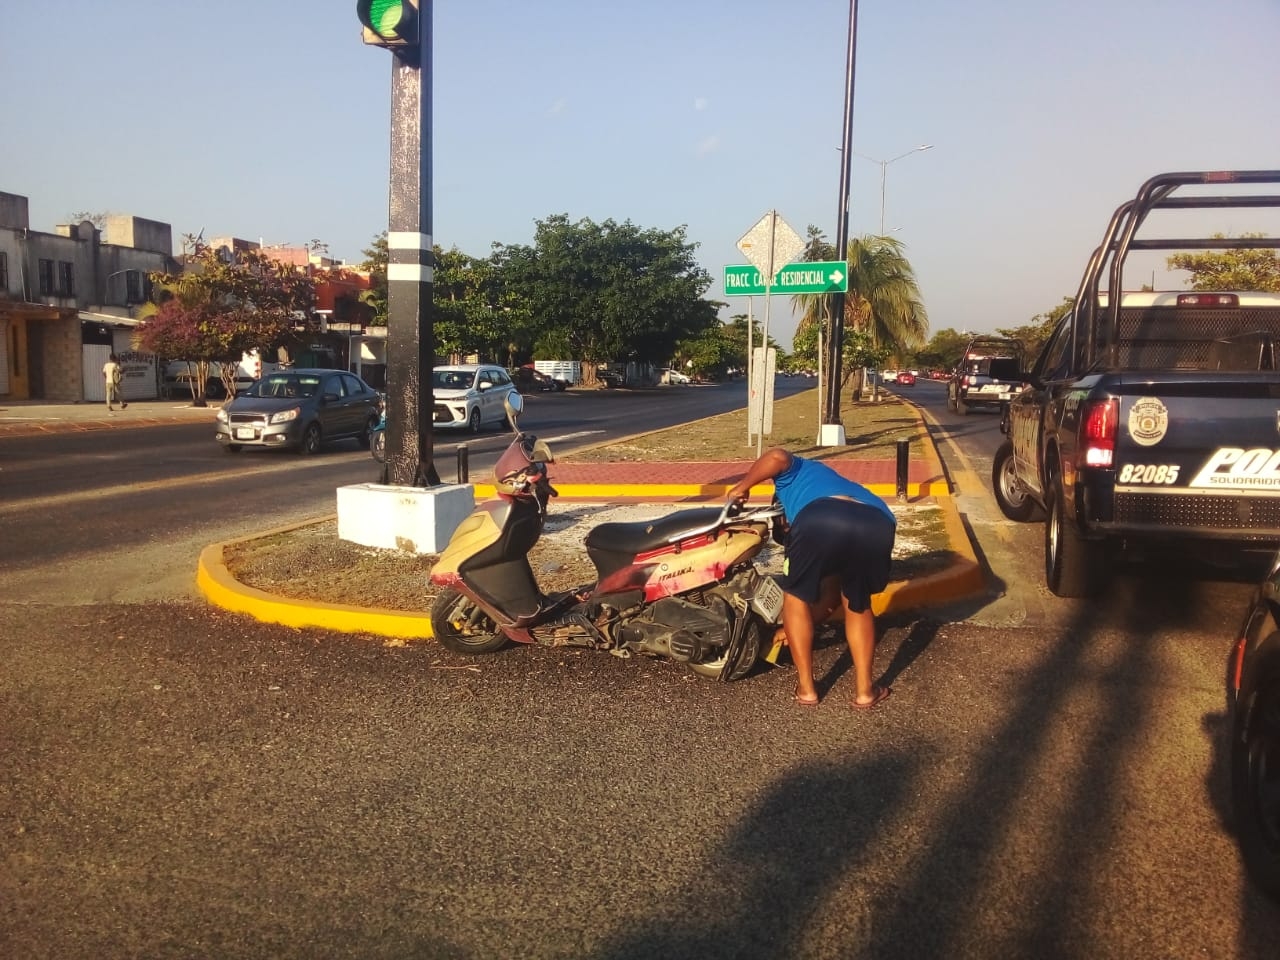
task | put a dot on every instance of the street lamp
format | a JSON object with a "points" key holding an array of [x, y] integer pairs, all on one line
{"points": [[883, 166]]}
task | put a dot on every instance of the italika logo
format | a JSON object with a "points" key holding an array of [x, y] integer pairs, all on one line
{"points": [[1148, 421]]}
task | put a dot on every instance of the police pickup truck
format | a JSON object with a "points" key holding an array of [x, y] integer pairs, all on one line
{"points": [[987, 374], [1153, 418]]}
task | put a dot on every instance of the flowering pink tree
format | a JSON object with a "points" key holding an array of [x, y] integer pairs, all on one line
{"points": [[215, 311]]}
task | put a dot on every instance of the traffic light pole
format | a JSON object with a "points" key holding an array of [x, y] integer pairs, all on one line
{"points": [[410, 337]]}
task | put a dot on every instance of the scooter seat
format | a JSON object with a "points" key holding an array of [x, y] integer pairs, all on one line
{"points": [[644, 535]]}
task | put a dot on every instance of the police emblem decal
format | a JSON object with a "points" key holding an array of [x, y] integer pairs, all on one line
{"points": [[1148, 421]]}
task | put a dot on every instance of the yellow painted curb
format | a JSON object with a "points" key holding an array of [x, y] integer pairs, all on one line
{"points": [[964, 578], [221, 589]]}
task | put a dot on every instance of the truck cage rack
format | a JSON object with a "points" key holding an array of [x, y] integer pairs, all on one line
{"points": [[1158, 193]]}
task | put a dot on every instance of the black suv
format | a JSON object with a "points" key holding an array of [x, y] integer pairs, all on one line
{"points": [[531, 380], [988, 374]]}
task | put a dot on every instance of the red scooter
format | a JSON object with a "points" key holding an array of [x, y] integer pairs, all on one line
{"points": [[681, 587]]}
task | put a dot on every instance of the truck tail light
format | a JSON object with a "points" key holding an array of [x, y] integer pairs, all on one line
{"points": [[1208, 300], [1098, 420]]}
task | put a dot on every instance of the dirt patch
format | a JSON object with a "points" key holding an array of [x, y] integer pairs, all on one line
{"points": [[872, 431]]}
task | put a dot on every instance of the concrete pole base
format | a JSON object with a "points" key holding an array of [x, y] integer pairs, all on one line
{"points": [[831, 435], [414, 519]]}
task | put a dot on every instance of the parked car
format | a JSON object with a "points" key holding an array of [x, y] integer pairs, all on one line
{"points": [[470, 395], [906, 378], [299, 408], [1255, 735], [530, 380], [610, 378], [675, 376]]}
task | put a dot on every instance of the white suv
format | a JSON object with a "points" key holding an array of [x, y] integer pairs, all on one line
{"points": [[470, 395]]}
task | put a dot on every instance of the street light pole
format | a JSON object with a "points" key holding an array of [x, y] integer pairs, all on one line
{"points": [[884, 166], [835, 341]]}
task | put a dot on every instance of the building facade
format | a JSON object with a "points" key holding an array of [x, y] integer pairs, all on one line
{"points": [[69, 298]]}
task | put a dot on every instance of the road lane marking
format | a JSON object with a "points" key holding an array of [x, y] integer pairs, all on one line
{"points": [[83, 496]]}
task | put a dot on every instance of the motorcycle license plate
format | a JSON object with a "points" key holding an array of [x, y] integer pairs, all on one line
{"points": [[768, 599], [244, 433]]}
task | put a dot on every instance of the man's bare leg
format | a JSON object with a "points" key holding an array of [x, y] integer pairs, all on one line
{"points": [[797, 621], [860, 632]]}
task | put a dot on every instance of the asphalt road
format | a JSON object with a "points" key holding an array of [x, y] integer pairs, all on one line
{"points": [[1047, 780]]}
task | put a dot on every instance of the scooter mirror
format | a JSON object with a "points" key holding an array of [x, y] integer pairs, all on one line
{"points": [[542, 452], [514, 403]]}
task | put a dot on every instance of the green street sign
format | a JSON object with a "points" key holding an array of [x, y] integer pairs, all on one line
{"points": [[822, 276]]}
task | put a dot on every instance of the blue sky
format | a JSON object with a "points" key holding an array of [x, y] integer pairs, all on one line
{"points": [[269, 119]]}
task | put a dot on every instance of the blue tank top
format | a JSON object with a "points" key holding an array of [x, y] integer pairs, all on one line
{"points": [[808, 480]]}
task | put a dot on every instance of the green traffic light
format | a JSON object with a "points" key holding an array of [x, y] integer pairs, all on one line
{"points": [[385, 15], [389, 22]]}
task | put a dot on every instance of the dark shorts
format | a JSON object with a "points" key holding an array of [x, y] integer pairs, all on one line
{"points": [[839, 538]]}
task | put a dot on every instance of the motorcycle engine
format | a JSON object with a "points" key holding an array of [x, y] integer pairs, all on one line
{"points": [[678, 629]]}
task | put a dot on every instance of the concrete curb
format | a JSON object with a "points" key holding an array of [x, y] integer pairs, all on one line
{"points": [[961, 579]]}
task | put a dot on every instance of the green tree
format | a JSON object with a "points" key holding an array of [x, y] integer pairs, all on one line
{"points": [[722, 349], [376, 258], [1037, 331], [607, 292], [1254, 269], [883, 300], [943, 351], [215, 310], [474, 312]]}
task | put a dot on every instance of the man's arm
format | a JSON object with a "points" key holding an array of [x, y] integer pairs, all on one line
{"points": [[772, 462]]}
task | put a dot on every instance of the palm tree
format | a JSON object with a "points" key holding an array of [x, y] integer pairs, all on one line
{"points": [[883, 298]]}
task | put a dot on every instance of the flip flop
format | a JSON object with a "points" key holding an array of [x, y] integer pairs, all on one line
{"points": [[880, 695], [803, 703]]}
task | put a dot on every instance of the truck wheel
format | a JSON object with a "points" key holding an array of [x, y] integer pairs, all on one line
{"points": [[1073, 566], [962, 408], [951, 401], [1014, 500], [1255, 774]]}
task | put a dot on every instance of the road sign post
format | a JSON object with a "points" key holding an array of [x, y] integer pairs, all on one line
{"points": [[770, 244]]}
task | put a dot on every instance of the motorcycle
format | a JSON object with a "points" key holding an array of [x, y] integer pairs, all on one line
{"points": [[681, 587]]}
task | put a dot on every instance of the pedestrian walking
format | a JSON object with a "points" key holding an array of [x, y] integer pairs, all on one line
{"points": [[113, 375], [837, 554]]}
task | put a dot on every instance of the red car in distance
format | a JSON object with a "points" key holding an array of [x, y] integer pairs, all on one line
{"points": [[906, 378]]}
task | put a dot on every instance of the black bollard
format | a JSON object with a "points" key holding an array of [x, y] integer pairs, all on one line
{"points": [[902, 469], [463, 471]]}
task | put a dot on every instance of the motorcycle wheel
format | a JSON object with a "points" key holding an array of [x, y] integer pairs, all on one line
{"points": [[379, 446], [463, 627], [752, 644]]}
